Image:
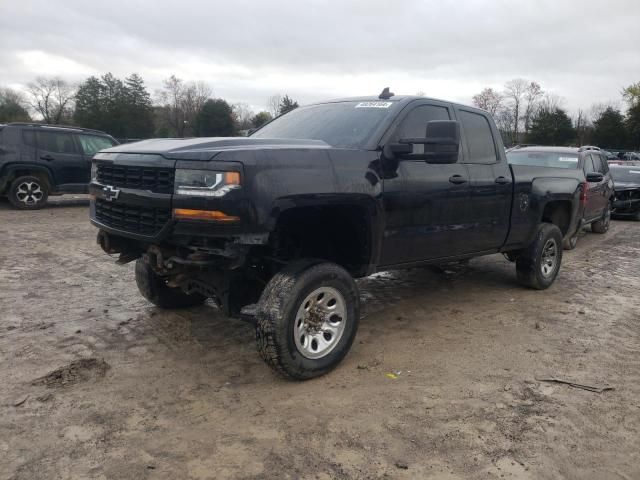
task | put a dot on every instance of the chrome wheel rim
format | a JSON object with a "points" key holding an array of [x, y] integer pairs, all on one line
{"points": [[320, 322], [29, 193], [549, 258]]}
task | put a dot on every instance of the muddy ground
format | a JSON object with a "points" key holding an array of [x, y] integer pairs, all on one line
{"points": [[97, 383]]}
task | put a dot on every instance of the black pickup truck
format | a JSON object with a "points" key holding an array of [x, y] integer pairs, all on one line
{"points": [[276, 226]]}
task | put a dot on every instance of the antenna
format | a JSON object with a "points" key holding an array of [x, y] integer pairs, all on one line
{"points": [[386, 94]]}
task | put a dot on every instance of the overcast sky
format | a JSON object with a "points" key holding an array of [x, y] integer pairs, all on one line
{"points": [[582, 50]]}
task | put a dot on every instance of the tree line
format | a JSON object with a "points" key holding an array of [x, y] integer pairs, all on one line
{"points": [[525, 113], [125, 109]]}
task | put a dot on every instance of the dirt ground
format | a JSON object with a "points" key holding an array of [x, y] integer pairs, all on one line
{"points": [[442, 381]]}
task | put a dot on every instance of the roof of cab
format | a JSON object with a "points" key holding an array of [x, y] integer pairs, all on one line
{"points": [[396, 98], [575, 150]]}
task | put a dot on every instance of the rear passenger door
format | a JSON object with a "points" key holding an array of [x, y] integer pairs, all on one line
{"points": [[61, 153], [490, 183]]}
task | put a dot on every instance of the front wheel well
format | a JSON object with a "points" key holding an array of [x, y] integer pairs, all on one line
{"points": [[12, 174], [337, 233]]}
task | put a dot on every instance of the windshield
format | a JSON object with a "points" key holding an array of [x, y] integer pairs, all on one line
{"points": [[343, 124], [543, 159], [625, 174]]}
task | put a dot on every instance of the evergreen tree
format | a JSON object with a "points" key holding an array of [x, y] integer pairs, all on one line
{"points": [[89, 110], [287, 104], [138, 117], [551, 127], [122, 109], [12, 107], [632, 124], [609, 129], [260, 119], [215, 119]]}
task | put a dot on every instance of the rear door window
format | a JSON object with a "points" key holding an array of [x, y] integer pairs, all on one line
{"points": [[480, 143], [588, 164], [91, 144], [56, 142], [604, 163], [29, 138]]}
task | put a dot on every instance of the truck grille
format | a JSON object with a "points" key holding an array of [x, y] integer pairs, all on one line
{"points": [[158, 180], [130, 218]]}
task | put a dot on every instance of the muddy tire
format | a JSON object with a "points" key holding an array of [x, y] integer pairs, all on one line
{"points": [[539, 264], [307, 319], [155, 289], [28, 193], [602, 225], [570, 243]]}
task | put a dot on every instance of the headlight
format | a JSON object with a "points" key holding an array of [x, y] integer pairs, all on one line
{"points": [[94, 172], [205, 183]]}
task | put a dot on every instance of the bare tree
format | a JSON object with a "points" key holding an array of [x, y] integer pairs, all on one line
{"points": [[514, 91], [532, 95], [550, 102], [243, 114], [597, 109], [273, 105], [170, 97], [582, 126], [488, 99], [51, 98], [194, 95], [504, 121], [181, 102]]}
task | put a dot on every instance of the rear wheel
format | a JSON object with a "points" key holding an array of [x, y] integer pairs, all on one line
{"points": [[602, 225], [538, 265], [307, 319], [28, 193], [154, 288]]}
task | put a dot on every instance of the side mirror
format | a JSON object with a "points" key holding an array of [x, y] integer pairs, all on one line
{"points": [[594, 177], [441, 143]]}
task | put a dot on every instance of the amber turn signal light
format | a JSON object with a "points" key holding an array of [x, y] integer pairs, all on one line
{"points": [[213, 215], [232, 178]]}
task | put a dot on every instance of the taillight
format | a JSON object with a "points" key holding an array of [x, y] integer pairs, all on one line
{"points": [[583, 193]]}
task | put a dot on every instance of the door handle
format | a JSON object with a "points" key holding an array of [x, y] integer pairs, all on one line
{"points": [[502, 180], [457, 179], [48, 158]]}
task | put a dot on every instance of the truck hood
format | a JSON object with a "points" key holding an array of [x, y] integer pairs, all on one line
{"points": [[205, 148]]}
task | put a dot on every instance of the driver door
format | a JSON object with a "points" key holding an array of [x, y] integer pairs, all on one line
{"points": [[425, 204]]}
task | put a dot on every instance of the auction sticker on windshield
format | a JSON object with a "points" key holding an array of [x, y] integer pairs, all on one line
{"points": [[568, 159], [374, 104]]}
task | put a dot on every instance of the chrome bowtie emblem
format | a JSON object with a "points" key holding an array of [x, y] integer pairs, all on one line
{"points": [[110, 193]]}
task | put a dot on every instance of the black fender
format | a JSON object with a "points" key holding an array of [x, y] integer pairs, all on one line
{"points": [[371, 208], [9, 170], [531, 197], [547, 191]]}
